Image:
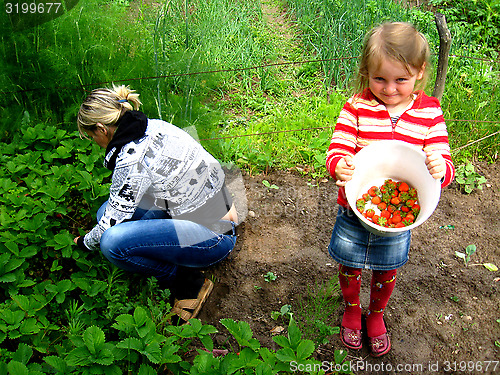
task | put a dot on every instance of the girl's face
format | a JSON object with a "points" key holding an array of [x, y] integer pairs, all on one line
{"points": [[392, 84]]}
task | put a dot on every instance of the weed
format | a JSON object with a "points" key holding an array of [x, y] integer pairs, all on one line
{"points": [[468, 178], [268, 185], [285, 313], [469, 251], [270, 276], [315, 309]]}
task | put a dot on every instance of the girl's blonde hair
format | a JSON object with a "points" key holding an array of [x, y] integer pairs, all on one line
{"points": [[106, 106], [398, 41]]}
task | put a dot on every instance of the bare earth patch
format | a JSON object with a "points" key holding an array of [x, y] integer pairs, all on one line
{"points": [[440, 311]]}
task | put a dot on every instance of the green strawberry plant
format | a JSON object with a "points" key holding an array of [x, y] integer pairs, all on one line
{"points": [[67, 311]]}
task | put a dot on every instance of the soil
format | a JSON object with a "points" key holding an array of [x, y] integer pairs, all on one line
{"points": [[442, 316], [441, 312]]}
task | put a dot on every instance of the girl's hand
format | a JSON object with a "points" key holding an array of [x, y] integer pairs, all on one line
{"points": [[344, 170], [435, 164], [76, 239]]}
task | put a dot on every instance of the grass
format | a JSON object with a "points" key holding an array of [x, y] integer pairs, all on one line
{"points": [[63, 58], [316, 307]]}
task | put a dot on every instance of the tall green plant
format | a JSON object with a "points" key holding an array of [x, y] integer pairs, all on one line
{"points": [[334, 31], [47, 68]]}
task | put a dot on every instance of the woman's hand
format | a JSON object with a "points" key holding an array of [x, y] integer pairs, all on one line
{"points": [[344, 170], [76, 239], [436, 164]]}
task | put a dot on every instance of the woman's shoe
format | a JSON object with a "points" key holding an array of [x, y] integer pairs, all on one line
{"points": [[351, 338], [187, 309], [379, 345]]}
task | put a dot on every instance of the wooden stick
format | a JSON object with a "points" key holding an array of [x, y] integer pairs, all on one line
{"points": [[444, 53]]}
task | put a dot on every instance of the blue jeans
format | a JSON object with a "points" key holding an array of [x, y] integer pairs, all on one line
{"points": [[354, 246], [152, 244]]}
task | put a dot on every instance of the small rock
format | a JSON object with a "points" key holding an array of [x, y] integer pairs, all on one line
{"points": [[277, 330], [251, 213]]}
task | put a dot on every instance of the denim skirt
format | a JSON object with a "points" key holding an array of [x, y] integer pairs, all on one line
{"points": [[354, 246]]}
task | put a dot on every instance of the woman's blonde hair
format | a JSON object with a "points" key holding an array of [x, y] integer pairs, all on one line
{"points": [[106, 106], [398, 41]]}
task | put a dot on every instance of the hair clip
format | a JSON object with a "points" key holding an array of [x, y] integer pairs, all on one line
{"points": [[122, 100]]}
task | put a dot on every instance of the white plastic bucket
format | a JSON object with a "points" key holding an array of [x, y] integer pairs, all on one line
{"points": [[399, 161]]}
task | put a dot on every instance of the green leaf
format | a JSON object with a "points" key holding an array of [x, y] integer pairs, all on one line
{"points": [[153, 352], [28, 252], [207, 342], [146, 370], [13, 247], [79, 357], [17, 368], [131, 343], [340, 355], [248, 356], [286, 355], [241, 332], [23, 353], [56, 362], [13, 264], [124, 322], [471, 249], [490, 267], [305, 349], [168, 354], [22, 301], [140, 316], [282, 341], [105, 357], [8, 278], [294, 334], [29, 327], [94, 339]]}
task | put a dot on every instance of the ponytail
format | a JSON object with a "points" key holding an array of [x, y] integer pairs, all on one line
{"points": [[106, 106]]}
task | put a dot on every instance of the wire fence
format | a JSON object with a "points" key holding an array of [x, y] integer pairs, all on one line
{"points": [[82, 87], [332, 126]]}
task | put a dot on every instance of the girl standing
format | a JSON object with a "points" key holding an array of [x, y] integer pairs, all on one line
{"points": [[389, 104]]}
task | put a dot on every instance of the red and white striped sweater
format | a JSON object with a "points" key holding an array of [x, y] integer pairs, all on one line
{"points": [[364, 120]]}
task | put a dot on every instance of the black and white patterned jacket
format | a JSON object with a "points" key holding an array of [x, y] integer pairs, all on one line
{"points": [[169, 167]]}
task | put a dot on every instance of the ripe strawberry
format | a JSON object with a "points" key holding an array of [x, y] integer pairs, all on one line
{"points": [[404, 197], [370, 212], [399, 225], [385, 214], [406, 221], [373, 191], [382, 206], [360, 204], [403, 186], [413, 193], [382, 221], [395, 201], [396, 219], [376, 200]]}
